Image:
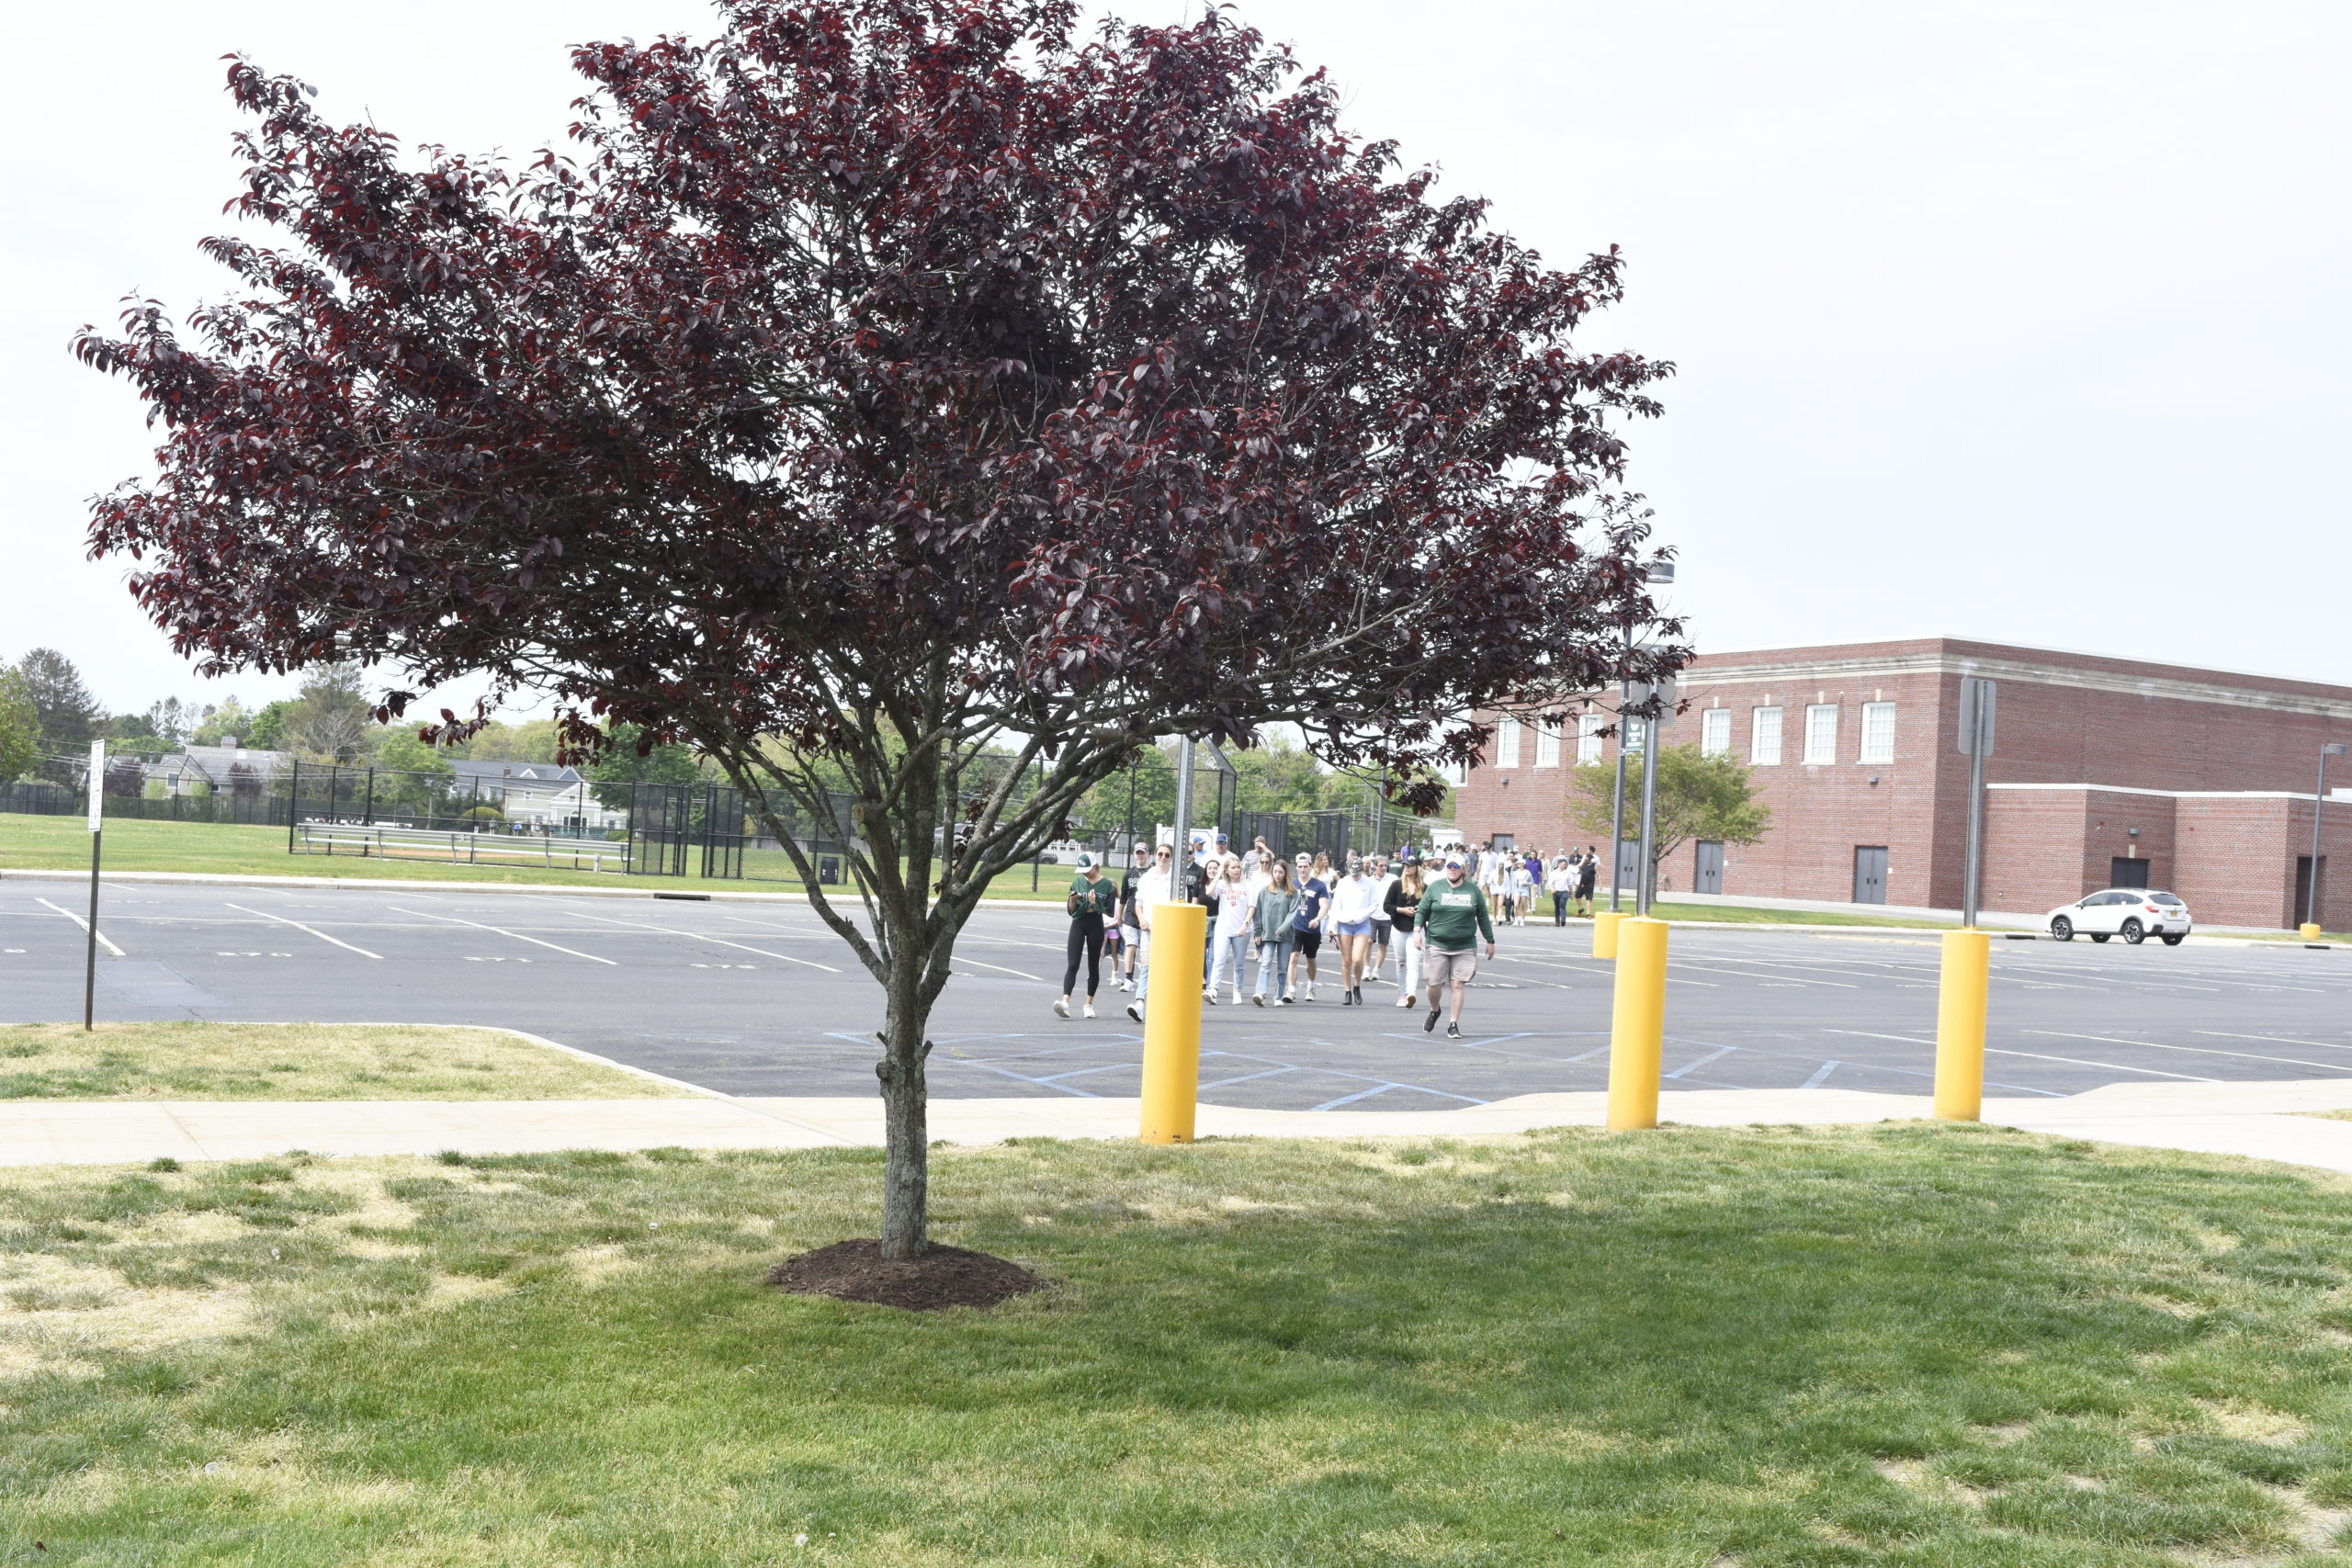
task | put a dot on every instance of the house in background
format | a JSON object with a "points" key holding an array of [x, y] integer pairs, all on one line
{"points": [[2106, 773], [537, 794], [224, 770]]}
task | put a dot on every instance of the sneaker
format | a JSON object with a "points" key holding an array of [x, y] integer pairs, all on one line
{"points": [[1430, 1022], [1310, 992], [1090, 1009], [1359, 996], [1124, 986], [1285, 1001], [1258, 999], [1209, 996], [1061, 1008], [1347, 997], [1404, 1001], [1453, 1031], [1135, 1010]]}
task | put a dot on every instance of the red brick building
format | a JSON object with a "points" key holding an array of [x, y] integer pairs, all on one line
{"points": [[2105, 771]]}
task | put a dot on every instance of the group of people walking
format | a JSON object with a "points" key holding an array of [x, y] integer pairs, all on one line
{"points": [[1283, 913], [1514, 879]]}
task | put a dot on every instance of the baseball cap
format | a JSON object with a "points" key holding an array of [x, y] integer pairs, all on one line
{"points": [[1453, 860], [1085, 859]]}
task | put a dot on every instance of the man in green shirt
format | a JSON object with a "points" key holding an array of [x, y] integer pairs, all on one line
{"points": [[1452, 917]]}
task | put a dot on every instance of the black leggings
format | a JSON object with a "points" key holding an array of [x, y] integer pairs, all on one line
{"points": [[1085, 936]]}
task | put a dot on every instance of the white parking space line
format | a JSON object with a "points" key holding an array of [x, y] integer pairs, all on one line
{"points": [[698, 936], [1595, 969], [816, 933], [300, 927], [1746, 975], [2276, 1040], [2194, 1050], [85, 926], [518, 936], [2038, 1056], [1000, 969]]}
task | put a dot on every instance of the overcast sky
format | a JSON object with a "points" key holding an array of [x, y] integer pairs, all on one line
{"points": [[2021, 322]]}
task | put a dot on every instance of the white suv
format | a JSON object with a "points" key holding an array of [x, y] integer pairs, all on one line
{"points": [[2134, 914]]}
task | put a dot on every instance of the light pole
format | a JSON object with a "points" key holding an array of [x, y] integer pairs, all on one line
{"points": [[2319, 808]]}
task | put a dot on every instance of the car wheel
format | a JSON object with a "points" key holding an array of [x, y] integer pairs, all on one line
{"points": [[2097, 936], [2174, 939], [2135, 933], [2062, 929]]}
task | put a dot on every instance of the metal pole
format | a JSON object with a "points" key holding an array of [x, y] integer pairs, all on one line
{"points": [[1180, 855], [2319, 806], [1642, 870], [96, 803], [293, 803], [1617, 810], [1975, 821]]}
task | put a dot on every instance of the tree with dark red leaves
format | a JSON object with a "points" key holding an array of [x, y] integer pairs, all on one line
{"points": [[885, 389]]}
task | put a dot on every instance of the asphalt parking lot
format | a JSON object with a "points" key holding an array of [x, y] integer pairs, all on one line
{"points": [[760, 998]]}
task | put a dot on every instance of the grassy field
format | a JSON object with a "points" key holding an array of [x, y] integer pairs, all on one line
{"points": [[62, 843], [1766, 1348], [261, 1061]]}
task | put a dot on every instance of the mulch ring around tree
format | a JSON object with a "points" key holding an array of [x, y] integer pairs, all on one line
{"points": [[938, 1277]]}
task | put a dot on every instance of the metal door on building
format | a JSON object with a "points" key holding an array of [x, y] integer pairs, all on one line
{"points": [[1869, 874], [2123, 873], [1711, 867]]}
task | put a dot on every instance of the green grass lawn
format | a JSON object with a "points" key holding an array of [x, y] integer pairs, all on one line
{"points": [[261, 1061], [1735, 915], [1763, 1349], [62, 843]]}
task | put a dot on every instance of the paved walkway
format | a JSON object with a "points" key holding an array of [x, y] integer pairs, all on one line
{"points": [[2261, 1121]]}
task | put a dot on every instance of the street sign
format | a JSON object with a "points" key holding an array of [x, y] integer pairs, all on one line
{"points": [[97, 783], [1978, 700], [1638, 694]]}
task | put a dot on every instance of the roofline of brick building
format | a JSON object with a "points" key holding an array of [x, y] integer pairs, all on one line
{"points": [[2057, 667]]}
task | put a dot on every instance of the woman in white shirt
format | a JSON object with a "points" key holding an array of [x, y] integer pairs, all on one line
{"points": [[1353, 904], [1233, 907]]}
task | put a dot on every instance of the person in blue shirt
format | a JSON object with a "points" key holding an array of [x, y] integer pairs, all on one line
{"points": [[1306, 927]]}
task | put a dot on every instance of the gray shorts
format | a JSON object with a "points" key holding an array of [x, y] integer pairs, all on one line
{"points": [[1439, 968]]}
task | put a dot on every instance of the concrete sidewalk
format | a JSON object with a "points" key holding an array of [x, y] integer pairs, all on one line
{"points": [[2259, 1120]]}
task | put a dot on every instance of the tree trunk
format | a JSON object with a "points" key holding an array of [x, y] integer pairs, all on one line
{"points": [[906, 1134]]}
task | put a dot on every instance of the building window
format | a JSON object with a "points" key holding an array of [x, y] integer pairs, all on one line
{"points": [[1714, 732], [1547, 746], [1588, 729], [1764, 737], [1821, 733], [1507, 742], [1878, 732]]}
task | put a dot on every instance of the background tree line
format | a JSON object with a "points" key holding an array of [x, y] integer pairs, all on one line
{"points": [[48, 710]]}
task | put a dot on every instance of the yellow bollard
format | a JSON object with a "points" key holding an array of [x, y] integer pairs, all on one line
{"points": [[1960, 999], [1604, 933], [1171, 1024], [2309, 931], [1637, 1024]]}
